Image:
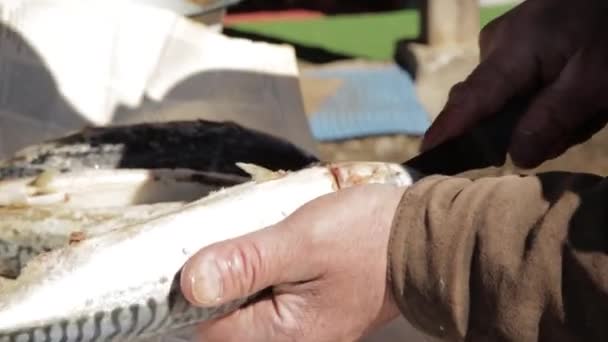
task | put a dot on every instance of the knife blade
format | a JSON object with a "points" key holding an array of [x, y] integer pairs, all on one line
{"points": [[486, 145]]}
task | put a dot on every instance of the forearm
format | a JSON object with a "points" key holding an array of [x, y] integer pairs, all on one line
{"points": [[508, 258]]}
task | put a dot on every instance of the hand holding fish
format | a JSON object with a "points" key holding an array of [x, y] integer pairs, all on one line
{"points": [[324, 268]]}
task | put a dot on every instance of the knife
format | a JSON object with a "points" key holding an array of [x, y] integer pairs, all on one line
{"points": [[485, 145]]}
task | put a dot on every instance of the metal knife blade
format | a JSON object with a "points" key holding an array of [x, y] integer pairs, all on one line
{"points": [[486, 145]]}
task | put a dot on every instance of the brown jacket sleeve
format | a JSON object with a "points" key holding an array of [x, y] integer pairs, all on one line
{"points": [[504, 259]]}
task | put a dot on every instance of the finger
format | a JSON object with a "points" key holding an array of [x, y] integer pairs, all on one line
{"points": [[242, 267], [563, 114], [501, 76], [588, 130], [488, 37]]}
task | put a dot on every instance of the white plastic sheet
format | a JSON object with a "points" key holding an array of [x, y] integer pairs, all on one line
{"points": [[69, 63]]}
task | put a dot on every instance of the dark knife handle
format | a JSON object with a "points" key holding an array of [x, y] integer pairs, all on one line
{"points": [[486, 145]]}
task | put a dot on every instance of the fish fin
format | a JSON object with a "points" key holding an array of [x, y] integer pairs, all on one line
{"points": [[260, 173]]}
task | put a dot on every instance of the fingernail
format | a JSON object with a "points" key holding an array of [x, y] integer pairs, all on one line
{"points": [[207, 283]]}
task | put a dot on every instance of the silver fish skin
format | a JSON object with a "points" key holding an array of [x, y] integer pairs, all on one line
{"points": [[30, 231], [122, 285], [41, 213]]}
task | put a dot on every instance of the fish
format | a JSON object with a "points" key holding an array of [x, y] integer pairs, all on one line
{"points": [[117, 188], [189, 144], [42, 213], [123, 285], [26, 232]]}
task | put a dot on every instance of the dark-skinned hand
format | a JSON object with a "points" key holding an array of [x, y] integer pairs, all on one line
{"points": [[554, 53]]}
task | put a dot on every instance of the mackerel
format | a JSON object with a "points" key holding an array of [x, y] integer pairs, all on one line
{"points": [[42, 213], [123, 285], [196, 145], [26, 232], [116, 188]]}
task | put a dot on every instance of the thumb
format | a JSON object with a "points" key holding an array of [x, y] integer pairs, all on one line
{"points": [[241, 267]]}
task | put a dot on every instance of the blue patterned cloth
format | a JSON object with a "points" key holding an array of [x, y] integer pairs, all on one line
{"points": [[375, 100]]}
